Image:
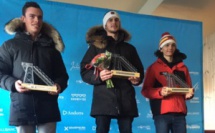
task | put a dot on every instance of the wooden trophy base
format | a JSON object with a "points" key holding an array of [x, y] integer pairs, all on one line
{"points": [[39, 87], [180, 90], [119, 73]]}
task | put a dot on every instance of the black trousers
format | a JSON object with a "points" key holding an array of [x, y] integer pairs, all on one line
{"points": [[124, 124]]}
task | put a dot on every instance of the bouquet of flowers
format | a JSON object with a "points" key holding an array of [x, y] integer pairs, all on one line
{"points": [[101, 62]]}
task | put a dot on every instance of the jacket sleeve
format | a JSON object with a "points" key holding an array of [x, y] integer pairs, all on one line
{"points": [[60, 74], [188, 78], [7, 81], [148, 90], [89, 75], [137, 64], [189, 81]]}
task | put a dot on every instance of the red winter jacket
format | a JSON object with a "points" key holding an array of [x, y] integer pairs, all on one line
{"points": [[154, 81]]}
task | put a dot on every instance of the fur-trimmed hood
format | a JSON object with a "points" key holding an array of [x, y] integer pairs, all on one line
{"points": [[15, 24], [97, 36]]}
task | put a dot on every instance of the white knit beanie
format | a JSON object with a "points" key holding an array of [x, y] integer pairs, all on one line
{"points": [[109, 15]]}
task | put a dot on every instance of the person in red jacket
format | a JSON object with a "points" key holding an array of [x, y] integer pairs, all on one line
{"points": [[169, 109]]}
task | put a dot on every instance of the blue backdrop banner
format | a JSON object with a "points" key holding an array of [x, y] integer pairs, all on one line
{"points": [[73, 21]]}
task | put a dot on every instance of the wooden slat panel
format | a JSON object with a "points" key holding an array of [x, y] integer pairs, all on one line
{"points": [[209, 82]]}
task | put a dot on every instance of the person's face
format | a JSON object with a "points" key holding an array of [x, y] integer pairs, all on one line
{"points": [[112, 25], [33, 20], [168, 49]]}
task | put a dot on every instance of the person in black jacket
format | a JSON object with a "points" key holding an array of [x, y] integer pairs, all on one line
{"points": [[117, 102], [37, 43]]}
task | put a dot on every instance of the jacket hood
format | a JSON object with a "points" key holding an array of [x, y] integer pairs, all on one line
{"points": [[16, 24], [97, 36]]}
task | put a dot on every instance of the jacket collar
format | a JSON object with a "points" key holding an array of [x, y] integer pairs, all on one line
{"points": [[16, 24], [99, 33], [176, 65]]}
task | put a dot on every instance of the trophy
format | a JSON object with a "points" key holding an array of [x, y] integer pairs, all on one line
{"points": [[28, 81], [120, 62], [173, 81], [104, 60]]}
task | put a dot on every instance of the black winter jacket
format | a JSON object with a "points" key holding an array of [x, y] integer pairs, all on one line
{"points": [[34, 107], [120, 100]]}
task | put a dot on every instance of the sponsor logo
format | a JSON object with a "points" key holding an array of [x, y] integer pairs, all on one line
{"points": [[146, 127], [7, 129], [72, 113], [193, 126], [193, 113], [74, 66], [194, 73], [195, 100], [79, 128], [94, 128], [61, 97], [78, 97], [81, 82], [149, 115]]}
